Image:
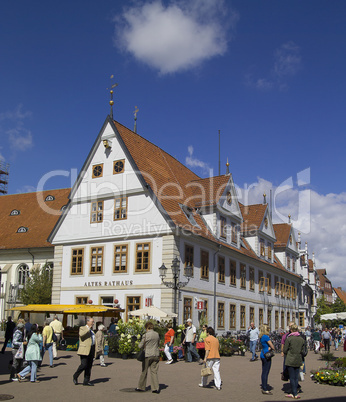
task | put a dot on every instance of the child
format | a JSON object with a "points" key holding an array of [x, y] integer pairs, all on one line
{"points": [[100, 345]]}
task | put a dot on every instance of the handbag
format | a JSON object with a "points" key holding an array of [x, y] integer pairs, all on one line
{"points": [[54, 337], [269, 354], [205, 371], [141, 355], [20, 352]]}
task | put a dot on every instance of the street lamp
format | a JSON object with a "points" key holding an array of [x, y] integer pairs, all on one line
{"points": [[175, 284]]}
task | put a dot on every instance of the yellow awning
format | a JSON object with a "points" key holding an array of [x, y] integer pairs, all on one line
{"points": [[67, 309]]}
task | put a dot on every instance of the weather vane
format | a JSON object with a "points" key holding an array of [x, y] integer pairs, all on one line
{"points": [[135, 114], [111, 102]]}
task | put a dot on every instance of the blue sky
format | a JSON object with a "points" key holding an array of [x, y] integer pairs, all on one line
{"points": [[268, 74]]}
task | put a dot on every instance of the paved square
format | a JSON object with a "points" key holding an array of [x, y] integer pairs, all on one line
{"points": [[241, 381]]}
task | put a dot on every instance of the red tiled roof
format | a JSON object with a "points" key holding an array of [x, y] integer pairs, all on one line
{"points": [[341, 294], [282, 234], [252, 216], [174, 184], [35, 214], [311, 265]]}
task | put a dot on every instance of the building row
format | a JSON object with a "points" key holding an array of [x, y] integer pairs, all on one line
{"points": [[139, 228]]}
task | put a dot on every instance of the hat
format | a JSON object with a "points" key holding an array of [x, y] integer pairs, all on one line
{"points": [[189, 320], [20, 325]]}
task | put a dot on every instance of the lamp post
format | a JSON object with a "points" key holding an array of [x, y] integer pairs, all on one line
{"points": [[175, 284]]}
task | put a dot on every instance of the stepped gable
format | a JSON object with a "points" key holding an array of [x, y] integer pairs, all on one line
{"points": [[253, 216], [282, 234], [35, 214]]}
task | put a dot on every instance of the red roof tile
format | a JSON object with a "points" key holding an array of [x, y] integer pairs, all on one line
{"points": [[252, 216], [36, 214], [282, 234]]}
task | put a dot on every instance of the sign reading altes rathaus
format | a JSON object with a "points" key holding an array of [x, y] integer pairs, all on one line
{"points": [[108, 283]]}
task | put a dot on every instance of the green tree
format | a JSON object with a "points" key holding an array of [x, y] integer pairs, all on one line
{"points": [[38, 288], [338, 306], [322, 308]]}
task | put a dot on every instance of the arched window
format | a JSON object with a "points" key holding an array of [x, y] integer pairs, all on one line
{"points": [[23, 274]]}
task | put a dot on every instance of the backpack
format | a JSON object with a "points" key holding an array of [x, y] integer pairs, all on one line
{"points": [[304, 351]]}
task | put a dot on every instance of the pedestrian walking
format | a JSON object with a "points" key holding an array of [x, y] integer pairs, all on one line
{"points": [[10, 326], [86, 352], [47, 343], [169, 340], [267, 345], [100, 344], [189, 341], [316, 336], [18, 343], [294, 351], [32, 354], [150, 343], [212, 358], [253, 334], [59, 332], [326, 339]]}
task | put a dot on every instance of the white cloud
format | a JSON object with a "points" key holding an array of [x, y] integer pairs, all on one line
{"points": [[13, 131], [287, 62], [177, 36], [320, 218], [193, 162], [26, 189]]}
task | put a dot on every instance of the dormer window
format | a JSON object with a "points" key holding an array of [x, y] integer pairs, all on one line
{"points": [[15, 212], [266, 223], [262, 249], [229, 198], [22, 229], [288, 261], [50, 198], [234, 233], [63, 208], [269, 248], [291, 240], [188, 212], [223, 227]]}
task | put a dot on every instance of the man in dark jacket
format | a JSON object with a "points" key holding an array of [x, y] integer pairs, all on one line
{"points": [[10, 326]]}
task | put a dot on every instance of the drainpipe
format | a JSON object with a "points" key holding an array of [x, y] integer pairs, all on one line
{"points": [[215, 265], [32, 255]]}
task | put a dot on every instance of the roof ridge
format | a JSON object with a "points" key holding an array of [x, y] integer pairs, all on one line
{"points": [[156, 146]]}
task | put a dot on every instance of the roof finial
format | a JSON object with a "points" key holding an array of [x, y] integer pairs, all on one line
{"points": [[227, 167], [289, 218], [264, 198], [111, 102], [135, 114]]}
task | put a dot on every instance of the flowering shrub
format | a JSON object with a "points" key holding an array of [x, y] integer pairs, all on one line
{"points": [[330, 376], [128, 337], [228, 346]]}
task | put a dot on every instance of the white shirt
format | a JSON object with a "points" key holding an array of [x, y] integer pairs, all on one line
{"points": [[189, 333]]}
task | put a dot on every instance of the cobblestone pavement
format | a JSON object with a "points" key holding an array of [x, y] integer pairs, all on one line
{"points": [[241, 381]]}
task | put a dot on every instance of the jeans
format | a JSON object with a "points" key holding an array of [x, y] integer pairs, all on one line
{"points": [[49, 347], [190, 349], [253, 345], [294, 376], [32, 367], [266, 364], [215, 365]]}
